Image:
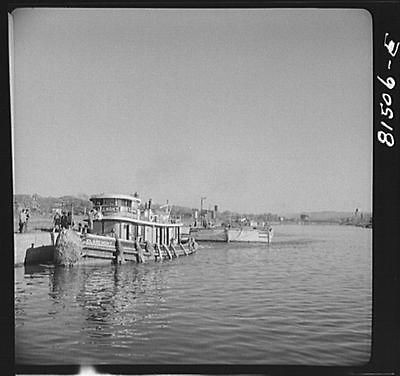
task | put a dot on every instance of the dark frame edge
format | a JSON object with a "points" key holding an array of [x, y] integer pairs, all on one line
{"points": [[386, 234]]}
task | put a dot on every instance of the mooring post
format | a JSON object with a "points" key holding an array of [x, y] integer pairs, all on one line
{"points": [[119, 251], [139, 254]]}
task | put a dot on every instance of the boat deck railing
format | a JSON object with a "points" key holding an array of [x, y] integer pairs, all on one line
{"points": [[116, 209], [134, 213]]}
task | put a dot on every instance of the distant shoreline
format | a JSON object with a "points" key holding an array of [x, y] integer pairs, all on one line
{"points": [[44, 223], [42, 208]]}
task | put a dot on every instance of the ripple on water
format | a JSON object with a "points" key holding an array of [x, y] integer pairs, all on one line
{"points": [[305, 299]]}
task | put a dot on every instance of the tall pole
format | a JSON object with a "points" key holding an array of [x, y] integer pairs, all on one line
{"points": [[201, 209]]}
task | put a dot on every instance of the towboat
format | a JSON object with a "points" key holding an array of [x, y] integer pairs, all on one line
{"points": [[119, 231]]}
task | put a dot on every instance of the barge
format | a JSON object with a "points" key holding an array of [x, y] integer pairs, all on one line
{"points": [[206, 229], [250, 235], [212, 234], [233, 234]]}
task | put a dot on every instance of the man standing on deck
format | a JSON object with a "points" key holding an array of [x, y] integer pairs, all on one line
{"points": [[22, 221], [27, 215], [70, 220], [64, 220], [90, 221], [57, 222], [119, 251]]}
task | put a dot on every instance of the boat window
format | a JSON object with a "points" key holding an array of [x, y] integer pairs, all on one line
{"points": [[123, 203], [109, 226], [97, 228]]}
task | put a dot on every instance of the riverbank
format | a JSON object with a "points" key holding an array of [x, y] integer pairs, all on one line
{"points": [[42, 222], [38, 235]]}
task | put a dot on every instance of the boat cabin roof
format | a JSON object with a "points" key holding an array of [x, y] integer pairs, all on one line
{"points": [[139, 222], [114, 195]]}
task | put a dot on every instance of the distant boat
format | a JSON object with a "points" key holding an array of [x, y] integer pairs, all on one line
{"points": [[119, 231], [206, 229], [232, 234], [250, 234]]}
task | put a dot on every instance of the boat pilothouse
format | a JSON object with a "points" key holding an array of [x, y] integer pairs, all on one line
{"points": [[121, 216], [121, 230], [110, 204]]}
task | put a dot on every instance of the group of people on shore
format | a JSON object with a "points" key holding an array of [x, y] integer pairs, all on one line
{"points": [[65, 220], [23, 220]]}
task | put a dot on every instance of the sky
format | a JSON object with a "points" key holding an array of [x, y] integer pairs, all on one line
{"points": [[258, 110]]}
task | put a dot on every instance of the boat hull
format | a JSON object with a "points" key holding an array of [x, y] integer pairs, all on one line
{"points": [[75, 248], [249, 235]]}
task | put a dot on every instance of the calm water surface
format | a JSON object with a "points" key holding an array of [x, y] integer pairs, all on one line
{"points": [[305, 299]]}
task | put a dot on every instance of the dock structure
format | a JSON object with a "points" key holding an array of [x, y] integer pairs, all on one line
{"points": [[34, 247]]}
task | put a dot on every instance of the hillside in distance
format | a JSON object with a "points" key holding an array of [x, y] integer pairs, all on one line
{"points": [[45, 205], [325, 215]]}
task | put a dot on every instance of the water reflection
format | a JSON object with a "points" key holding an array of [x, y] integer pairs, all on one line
{"points": [[36, 270], [111, 299], [305, 302]]}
